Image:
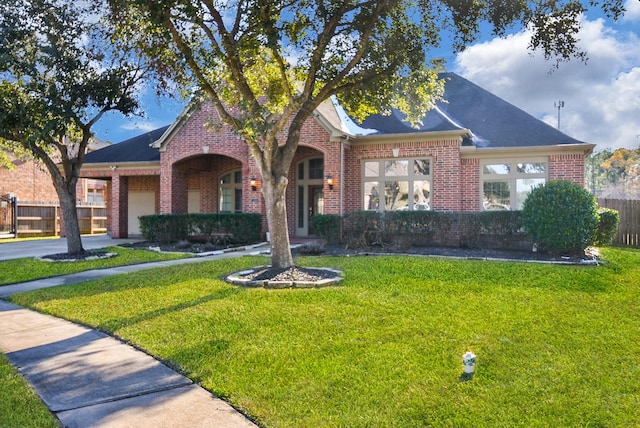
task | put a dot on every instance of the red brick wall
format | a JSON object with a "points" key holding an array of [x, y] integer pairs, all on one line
{"points": [[223, 151], [445, 171], [470, 183], [568, 167], [29, 182]]}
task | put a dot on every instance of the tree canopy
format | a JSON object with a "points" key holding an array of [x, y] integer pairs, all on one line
{"points": [[266, 65], [60, 72]]}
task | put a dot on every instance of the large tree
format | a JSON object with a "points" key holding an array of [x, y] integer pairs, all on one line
{"points": [[266, 65], [60, 72]]}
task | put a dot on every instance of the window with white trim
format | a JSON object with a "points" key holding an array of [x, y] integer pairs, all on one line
{"points": [[231, 192], [504, 185], [397, 184]]}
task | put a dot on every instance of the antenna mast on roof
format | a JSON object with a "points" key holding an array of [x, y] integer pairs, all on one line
{"points": [[558, 105]]}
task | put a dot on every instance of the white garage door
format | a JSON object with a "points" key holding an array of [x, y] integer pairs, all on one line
{"points": [[140, 203]]}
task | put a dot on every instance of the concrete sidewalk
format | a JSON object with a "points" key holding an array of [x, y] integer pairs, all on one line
{"points": [[89, 379]]}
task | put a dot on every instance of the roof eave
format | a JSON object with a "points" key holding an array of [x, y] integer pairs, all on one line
{"points": [[456, 134], [473, 151]]}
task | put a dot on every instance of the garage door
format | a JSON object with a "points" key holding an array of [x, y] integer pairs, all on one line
{"points": [[140, 203]]}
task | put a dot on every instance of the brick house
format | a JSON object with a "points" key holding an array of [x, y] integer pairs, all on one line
{"points": [[473, 152], [30, 182]]}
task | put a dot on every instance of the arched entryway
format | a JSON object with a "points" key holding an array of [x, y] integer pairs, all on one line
{"points": [[211, 183]]}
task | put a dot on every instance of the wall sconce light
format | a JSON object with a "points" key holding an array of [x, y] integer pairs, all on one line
{"points": [[330, 182], [253, 183]]}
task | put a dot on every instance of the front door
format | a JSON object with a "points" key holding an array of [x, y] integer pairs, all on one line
{"points": [[309, 194], [316, 204]]}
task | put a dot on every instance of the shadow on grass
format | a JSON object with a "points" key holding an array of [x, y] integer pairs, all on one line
{"points": [[119, 323]]}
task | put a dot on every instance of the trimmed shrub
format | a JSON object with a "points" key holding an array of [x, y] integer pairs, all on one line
{"points": [[560, 217], [608, 221], [220, 228], [326, 226], [401, 229]]}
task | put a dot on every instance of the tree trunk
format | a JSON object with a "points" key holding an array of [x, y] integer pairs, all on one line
{"points": [[67, 197], [66, 190], [274, 192]]}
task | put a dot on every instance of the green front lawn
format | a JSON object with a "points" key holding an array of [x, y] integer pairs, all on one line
{"points": [[29, 269], [556, 345], [20, 406]]}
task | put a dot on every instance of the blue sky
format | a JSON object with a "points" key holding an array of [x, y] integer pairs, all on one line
{"points": [[601, 98]]}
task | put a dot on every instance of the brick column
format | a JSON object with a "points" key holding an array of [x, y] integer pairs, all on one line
{"points": [[119, 208]]}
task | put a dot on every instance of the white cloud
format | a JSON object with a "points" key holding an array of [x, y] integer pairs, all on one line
{"points": [[602, 97], [632, 10]]}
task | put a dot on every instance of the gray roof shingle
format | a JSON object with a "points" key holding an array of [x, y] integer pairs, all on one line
{"points": [[493, 121], [136, 149]]}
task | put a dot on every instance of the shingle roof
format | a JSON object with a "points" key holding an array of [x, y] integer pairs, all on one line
{"points": [[136, 149], [493, 121]]}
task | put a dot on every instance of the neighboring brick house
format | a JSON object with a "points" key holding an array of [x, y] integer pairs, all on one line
{"points": [[473, 152], [30, 182]]}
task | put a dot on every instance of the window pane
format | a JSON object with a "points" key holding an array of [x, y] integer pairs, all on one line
{"points": [[316, 168], [371, 196], [496, 195], [396, 195], [421, 195], [421, 166], [238, 177], [225, 199], [301, 206], [238, 200], [524, 186], [372, 169], [301, 171], [396, 168], [226, 179], [499, 169], [531, 168]]}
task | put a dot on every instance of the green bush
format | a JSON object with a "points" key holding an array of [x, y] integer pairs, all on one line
{"points": [[165, 227], [491, 229], [326, 226], [608, 221], [560, 217], [216, 228]]}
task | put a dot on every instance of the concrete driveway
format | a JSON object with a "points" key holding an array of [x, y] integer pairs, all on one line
{"points": [[44, 247]]}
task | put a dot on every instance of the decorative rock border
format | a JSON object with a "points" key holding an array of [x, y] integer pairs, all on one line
{"points": [[243, 278], [65, 260]]}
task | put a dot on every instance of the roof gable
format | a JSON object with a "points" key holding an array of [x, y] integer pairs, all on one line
{"points": [[136, 149]]}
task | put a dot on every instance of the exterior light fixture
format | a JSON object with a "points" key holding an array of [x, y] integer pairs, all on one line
{"points": [[253, 183], [330, 182]]}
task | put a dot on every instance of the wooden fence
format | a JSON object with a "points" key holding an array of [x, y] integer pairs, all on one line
{"points": [[44, 219], [629, 229]]}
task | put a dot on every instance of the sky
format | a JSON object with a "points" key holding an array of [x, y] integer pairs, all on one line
{"points": [[600, 99]]}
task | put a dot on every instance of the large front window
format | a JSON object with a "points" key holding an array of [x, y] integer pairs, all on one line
{"points": [[397, 184], [505, 185], [231, 192]]}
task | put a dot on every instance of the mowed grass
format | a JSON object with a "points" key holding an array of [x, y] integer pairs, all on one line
{"points": [[29, 269], [20, 406], [555, 345]]}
